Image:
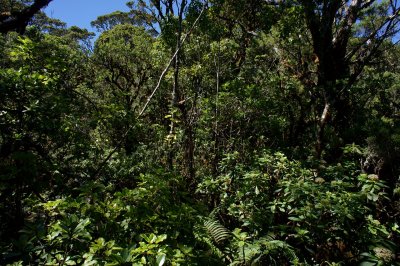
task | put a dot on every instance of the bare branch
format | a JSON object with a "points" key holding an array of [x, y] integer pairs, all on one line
{"points": [[390, 29]]}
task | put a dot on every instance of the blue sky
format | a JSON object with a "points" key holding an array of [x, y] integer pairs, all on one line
{"points": [[81, 12]]}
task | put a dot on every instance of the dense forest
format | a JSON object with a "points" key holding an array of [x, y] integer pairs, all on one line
{"points": [[219, 132]]}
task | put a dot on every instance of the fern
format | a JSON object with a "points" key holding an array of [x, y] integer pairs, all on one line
{"points": [[213, 234], [236, 248]]}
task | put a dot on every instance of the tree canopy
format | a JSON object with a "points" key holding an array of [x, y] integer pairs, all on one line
{"points": [[201, 133]]}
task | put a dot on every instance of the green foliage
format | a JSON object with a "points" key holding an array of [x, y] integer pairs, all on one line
{"points": [[314, 212], [100, 226], [272, 137], [239, 248]]}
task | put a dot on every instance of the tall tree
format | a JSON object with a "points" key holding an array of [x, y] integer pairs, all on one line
{"points": [[123, 57], [332, 25]]}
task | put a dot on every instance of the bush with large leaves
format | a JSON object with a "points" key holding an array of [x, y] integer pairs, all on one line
{"points": [[332, 214]]}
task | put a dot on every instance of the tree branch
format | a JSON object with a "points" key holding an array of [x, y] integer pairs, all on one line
{"points": [[19, 20]]}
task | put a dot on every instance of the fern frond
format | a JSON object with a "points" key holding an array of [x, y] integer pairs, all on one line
{"points": [[211, 233], [217, 231], [201, 235]]}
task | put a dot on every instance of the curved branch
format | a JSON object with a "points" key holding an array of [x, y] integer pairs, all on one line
{"points": [[19, 20]]}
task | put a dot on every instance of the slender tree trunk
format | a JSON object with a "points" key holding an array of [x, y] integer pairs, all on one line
{"points": [[174, 101], [178, 101], [216, 135]]}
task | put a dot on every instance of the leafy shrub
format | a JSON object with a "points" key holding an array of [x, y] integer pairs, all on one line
{"points": [[320, 214], [145, 225]]}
